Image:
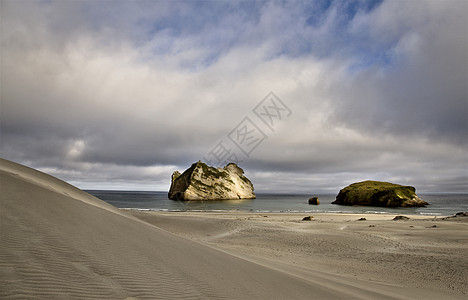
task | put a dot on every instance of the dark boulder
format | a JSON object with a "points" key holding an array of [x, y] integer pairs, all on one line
{"points": [[314, 201], [397, 218]]}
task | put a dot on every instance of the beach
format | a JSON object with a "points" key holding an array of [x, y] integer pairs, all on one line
{"points": [[58, 242], [337, 250]]}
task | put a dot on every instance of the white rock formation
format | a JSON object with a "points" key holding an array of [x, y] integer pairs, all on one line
{"points": [[202, 182]]}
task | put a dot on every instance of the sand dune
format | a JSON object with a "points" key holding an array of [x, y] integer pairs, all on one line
{"points": [[58, 242]]}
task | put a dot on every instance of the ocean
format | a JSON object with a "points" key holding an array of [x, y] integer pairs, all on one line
{"points": [[440, 204]]}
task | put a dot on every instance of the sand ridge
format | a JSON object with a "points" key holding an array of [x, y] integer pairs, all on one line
{"points": [[53, 184]]}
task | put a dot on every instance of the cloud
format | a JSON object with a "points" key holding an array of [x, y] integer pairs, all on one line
{"points": [[104, 95], [423, 91]]}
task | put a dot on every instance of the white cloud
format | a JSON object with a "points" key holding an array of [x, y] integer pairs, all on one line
{"points": [[112, 101]]}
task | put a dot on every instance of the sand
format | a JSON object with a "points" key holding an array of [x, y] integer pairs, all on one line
{"points": [[376, 258], [58, 242]]}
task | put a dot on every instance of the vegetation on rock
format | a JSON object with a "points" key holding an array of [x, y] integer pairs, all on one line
{"points": [[377, 193]]}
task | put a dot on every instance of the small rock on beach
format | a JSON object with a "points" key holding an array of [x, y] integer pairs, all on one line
{"points": [[397, 218]]}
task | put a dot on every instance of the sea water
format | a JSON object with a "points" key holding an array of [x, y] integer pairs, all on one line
{"points": [[440, 204]]}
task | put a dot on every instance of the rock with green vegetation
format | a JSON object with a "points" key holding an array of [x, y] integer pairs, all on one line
{"points": [[202, 182], [377, 193]]}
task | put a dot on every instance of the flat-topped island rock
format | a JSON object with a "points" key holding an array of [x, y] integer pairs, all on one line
{"points": [[377, 193], [202, 182]]}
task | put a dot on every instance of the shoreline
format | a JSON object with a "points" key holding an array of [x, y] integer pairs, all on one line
{"points": [[338, 213], [158, 201]]}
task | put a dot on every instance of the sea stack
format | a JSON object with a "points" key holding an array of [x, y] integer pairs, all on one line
{"points": [[314, 200], [202, 182], [377, 193]]}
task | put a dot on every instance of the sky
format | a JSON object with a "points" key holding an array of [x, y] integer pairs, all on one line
{"points": [[306, 96]]}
